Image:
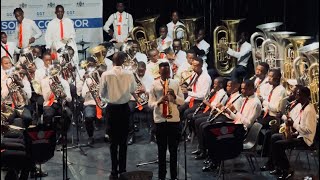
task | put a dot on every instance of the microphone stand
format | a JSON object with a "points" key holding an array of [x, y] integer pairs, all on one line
{"points": [[64, 148], [184, 136]]}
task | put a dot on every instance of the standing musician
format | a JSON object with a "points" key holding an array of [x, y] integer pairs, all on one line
{"points": [[26, 29], [243, 54], [303, 128], [118, 111], [180, 55], [122, 24], [195, 88], [218, 96], [201, 46], [60, 32], [164, 41], [12, 77], [261, 81], [173, 24], [7, 48], [144, 83], [165, 96]]}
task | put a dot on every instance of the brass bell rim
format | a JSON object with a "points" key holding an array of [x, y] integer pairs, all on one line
{"points": [[148, 18], [191, 18], [309, 47], [269, 25], [294, 38], [233, 21], [97, 49]]}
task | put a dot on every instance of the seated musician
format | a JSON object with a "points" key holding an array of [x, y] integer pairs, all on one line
{"points": [[302, 133], [261, 81], [164, 41], [153, 64], [180, 55], [144, 89], [219, 96], [201, 46], [135, 51], [54, 101], [195, 88], [6, 93], [250, 110], [37, 53]]}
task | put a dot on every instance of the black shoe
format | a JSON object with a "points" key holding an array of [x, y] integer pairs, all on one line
{"points": [[276, 172], [266, 168], [90, 141], [153, 139], [131, 140], [106, 138], [196, 152], [207, 161], [59, 140], [286, 174], [113, 176], [209, 167], [38, 173], [201, 156]]}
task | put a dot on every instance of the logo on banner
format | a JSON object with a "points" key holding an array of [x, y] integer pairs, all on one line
{"points": [[51, 5], [23, 5], [80, 4]]}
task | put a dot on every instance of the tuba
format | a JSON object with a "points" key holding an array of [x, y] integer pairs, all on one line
{"points": [[146, 33], [190, 24], [130, 63], [184, 40], [98, 52], [227, 35], [257, 39], [94, 76], [142, 98], [55, 83]]}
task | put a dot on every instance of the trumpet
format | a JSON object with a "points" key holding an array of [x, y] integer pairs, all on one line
{"points": [[168, 114]]}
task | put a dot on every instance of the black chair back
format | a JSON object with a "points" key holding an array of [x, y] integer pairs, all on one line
{"points": [[40, 143], [224, 140]]}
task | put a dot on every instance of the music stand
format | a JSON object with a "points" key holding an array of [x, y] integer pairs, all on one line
{"points": [[83, 50]]}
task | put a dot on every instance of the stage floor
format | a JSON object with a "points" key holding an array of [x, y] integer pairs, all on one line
{"points": [[96, 165]]}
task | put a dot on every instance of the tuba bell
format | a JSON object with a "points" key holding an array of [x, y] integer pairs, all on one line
{"points": [[184, 40], [130, 63], [146, 33], [227, 35], [98, 52], [190, 24]]}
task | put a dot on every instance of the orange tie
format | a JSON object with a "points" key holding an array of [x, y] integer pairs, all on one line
{"points": [[51, 99], [61, 29], [208, 107], [269, 98], [139, 107], [119, 26], [194, 89], [20, 35], [7, 48], [99, 112], [244, 104]]}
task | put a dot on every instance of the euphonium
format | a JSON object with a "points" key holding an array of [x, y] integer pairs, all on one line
{"points": [[226, 35], [98, 53], [169, 109], [130, 63], [93, 86], [184, 40], [313, 75], [142, 98], [148, 32], [55, 83], [257, 39], [190, 24]]}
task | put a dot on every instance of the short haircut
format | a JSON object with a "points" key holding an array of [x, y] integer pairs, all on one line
{"points": [[276, 72], [177, 40], [17, 10], [150, 51], [119, 58], [164, 64], [4, 57], [220, 79], [59, 6], [175, 11], [3, 33], [141, 64], [199, 59], [46, 54], [235, 81], [265, 66], [305, 91], [163, 26], [91, 59], [191, 51], [249, 83]]}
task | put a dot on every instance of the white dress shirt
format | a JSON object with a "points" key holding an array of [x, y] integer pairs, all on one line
{"points": [[251, 110], [126, 25], [12, 48], [306, 124], [39, 63], [88, 99], [171, 27], [46, 90], [203, 45], [181, 58], [153, 69], [202, 87], [29, 30], [141, 57], [147, 82], [163, 41], [117, 85], [293, 113], [273, 106], [109, 63], [40, 74], [155, 95], [243, 55], [261, 85], [221, 97], [236, 102], [5, 92]]}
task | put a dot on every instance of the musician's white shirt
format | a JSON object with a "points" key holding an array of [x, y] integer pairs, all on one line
{"points": [[5, 91], [277, 96], [29, 30], [293, 113], [162, 42], [126, 25], [262, 87], [153, 69], [171, 27], [243, 55], [109, 63], [39, 63], [203, 45], [46, 90], [181, 58], [40, 74], [251, 111], [221, 97], [12, 48], [88, 99], [306, 124], [146, 83], [141, 57], [202, 86], [156, 93], [236, 97]]}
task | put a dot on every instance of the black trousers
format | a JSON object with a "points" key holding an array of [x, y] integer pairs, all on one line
{"points": [[239, 72], [168, 135], [134, 116], [37, 103], [278, 146], [89, 117], [56, 110], [200, 124], [118, 127]]}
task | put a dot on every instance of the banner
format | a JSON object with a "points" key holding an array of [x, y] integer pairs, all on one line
{"points": [[86, 15]]}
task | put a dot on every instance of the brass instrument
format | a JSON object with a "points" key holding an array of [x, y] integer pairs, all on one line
{"points": [[142, 98], [190, 24], [169, 108], [257, 39], [93, 87], [185, 75], [131, 62], [226, 35], [274, 126], [185, 39], [284, 129], [67, 67], [147, 32], [206, 98], [98, 53], [313, 75], [55, 83]]}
